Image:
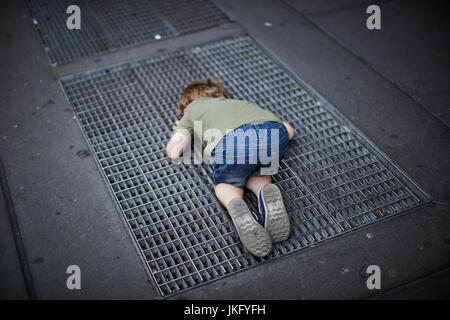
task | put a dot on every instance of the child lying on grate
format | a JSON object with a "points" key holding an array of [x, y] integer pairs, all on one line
{"points": [[245, 144]]}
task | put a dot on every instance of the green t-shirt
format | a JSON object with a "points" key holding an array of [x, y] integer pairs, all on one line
{"points": [[215, 117]]}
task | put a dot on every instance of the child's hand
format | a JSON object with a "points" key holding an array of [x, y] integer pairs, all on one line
{"points": [[176, 123], [290, 130], [176, 145]]}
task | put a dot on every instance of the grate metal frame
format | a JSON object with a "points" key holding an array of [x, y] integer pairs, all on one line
{"points": [[110, 25], [334, 179]]}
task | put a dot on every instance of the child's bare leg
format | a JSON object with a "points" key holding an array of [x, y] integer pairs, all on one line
{"points": [[255, 183], [226, 192], [252, 235]]}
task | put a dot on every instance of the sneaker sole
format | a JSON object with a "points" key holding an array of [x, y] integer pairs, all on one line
{"points": [[253, 236], [277, 220]]}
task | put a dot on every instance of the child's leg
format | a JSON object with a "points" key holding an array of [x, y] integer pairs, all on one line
{"points": [[226, 192], [252, 235], [255, 183]]}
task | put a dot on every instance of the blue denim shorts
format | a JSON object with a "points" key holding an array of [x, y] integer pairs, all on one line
{"points": [[250, 150]]}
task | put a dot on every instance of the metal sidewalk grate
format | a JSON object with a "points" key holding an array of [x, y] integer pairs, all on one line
{"points": [[108, 25], [333, 179]]}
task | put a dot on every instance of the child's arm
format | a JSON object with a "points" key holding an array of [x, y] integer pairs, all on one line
{"points": [[176, 145], [290, 130]]}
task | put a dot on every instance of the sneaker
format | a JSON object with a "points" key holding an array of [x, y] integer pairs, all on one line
{"points": [[252, 235], [257, 219], [273, 213]]}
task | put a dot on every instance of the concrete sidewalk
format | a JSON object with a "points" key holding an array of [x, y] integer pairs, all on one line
{"points": [[392, 84]]}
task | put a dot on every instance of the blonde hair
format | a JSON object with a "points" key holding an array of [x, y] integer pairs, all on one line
{"points": [[198, 89]]}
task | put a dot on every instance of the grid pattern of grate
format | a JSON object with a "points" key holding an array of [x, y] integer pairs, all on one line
{"points": [[332, 179], [108, 25]]}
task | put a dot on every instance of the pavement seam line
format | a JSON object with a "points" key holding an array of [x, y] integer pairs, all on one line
{"points": [[18, 240]]}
